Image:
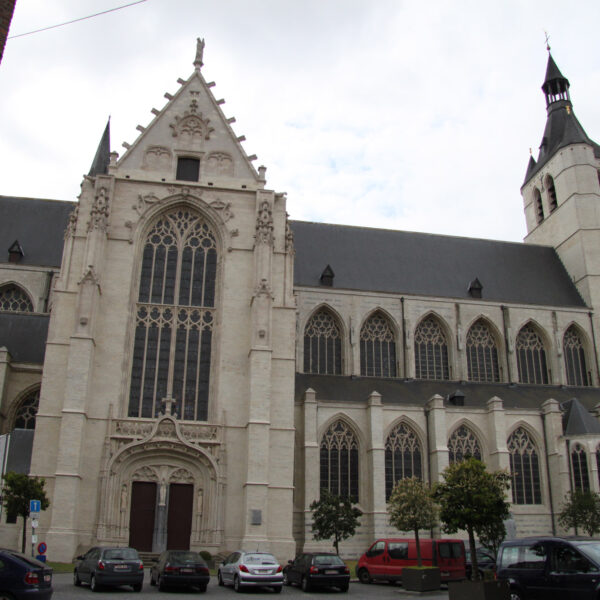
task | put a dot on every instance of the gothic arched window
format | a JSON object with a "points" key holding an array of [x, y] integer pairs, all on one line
{"points": [[431, 351], [14, 299], [539, 207], [323, 344], [574, 358], [581, 479], [463, 443], [482, 353], [531, 356], [175, 316], [339, 461], [402, 456], [524, 468], [377, 347], [551, 193], [27, 411]]}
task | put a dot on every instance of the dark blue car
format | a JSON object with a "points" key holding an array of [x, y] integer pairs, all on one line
{"points": [[24, 577]]}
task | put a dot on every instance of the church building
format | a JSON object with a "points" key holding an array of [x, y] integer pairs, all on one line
{"points": [[192, 367]]}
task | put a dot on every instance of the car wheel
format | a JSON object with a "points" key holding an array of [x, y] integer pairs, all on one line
{"points": [[277, 589], [152, 580], [237, 586], [286, 580], [137, 587], [76, 580], [202, 589], [344, 588], [363, 576], [6, 596], [516, 595], [93, 585], [220, 578], [160, 584], [305, 584]]}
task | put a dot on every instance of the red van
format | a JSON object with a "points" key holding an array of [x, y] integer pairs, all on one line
{"points": [[385, 559]]}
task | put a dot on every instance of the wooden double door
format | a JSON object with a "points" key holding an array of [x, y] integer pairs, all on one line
{"points": [[147, 520]]}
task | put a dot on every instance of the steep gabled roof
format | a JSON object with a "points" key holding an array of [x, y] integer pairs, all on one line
{"points": [[39, 225], [24, 335], [577, 420], [406, 262], [102, 157]]}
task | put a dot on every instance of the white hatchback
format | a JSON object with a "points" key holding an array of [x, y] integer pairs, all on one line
{"points": [[251, 569]]}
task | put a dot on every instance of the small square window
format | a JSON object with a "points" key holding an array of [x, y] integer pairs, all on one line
{"points": [[188, 169]]}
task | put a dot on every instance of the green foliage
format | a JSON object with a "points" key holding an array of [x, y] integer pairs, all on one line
{"points": [[581, 510], [411, 507], [473, 499], [334, 516], [205, 554], [492, 535], [18, 490]]}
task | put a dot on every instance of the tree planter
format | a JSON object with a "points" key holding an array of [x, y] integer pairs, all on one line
{"points": [[421, 579], [479, 590]]}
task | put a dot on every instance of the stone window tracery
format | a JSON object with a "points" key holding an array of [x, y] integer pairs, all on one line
{"points": [[402, 456], [14, 299], [431, 350], [323, 344], [539, 207], [552, 201], [531, 356], [581, 479], [175, 317], [482, 354], [27, 411], [524, 468], [574, 354], [463, 443], [339, 461], [377, 347]]}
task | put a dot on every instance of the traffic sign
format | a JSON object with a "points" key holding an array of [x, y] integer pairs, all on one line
{"points": [[42, 547], [35, 506], [34, 523]]}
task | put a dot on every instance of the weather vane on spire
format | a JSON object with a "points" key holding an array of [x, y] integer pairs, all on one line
{"points": [[547, 40], [199, 53]]}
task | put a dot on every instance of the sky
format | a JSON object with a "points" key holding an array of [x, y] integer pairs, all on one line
{"points": [[382, 113]]}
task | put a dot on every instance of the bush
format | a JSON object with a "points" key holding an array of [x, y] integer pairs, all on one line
{"points": [[205, 554]]}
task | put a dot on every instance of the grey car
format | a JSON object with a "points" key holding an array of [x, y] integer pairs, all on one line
{"points": [[251, 569], [109, 567]]}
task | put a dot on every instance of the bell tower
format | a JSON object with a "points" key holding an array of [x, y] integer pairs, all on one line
{"points": [[561, 192]]}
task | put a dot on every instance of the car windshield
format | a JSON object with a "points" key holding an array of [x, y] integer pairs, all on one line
{"points": [[184, 556], [259, 559], [328, 559], [120, 554], [590, 549]]}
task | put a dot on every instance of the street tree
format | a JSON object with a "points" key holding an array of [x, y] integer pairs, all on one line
{"points": [[581, 510], [474, 500], [334, 517], [18, 490], [411, 508]]}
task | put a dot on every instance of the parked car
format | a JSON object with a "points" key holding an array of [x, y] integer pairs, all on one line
{"points": [[182, 568], [109, 567], [386, 558], [24, 577], [486, 562], [551, 568], [317, 569], [251, 569]]}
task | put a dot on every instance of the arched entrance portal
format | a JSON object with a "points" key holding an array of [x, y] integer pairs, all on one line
{"points": [[162, 486]]}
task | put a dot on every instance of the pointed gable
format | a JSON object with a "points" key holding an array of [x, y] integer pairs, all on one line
{"points": [[577, 420], [102, 157], [193, 127]]}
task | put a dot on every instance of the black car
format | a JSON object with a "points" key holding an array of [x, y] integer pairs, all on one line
{"points": [[486, 562], [24, 577], [551, 568], [109, 567], [180, 568], [317, 569]]}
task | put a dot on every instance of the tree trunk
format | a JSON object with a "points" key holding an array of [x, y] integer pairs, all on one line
{"points": [[474, 565], [24, 534], [419, 561], [335, 543]]}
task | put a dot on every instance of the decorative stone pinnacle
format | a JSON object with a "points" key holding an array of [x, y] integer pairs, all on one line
{"points": [[198, 63], [169, 402]]}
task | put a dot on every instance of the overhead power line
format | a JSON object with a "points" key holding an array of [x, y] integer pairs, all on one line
{"points": [[12, 37]]}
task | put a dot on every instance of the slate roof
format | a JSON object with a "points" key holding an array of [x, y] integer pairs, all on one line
{"points": [[38, 225], [405, 262], [577, 420], [24, 335], [102, 157], [416, 392]]}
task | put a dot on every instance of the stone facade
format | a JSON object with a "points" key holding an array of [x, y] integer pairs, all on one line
{"points": [[241, 454]]}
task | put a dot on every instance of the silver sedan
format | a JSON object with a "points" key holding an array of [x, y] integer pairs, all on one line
{"points": [[251, 569]]}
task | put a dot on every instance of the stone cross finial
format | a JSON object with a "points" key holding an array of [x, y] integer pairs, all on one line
{"points": [[199, 53], [547, 41], [168, 403]]}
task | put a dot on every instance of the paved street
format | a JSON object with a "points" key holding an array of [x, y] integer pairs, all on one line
{"points": [[65, 590]]}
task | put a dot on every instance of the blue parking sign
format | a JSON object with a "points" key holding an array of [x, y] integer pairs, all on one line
{"points": [[35, 506]]}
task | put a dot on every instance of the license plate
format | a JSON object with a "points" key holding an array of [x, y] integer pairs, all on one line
{"points": [[263, 570], [121, 567], [186, 570], [445, 573], [331, 572]]}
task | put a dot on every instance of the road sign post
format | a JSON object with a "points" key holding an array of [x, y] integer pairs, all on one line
{"points": [[35, 506]]}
